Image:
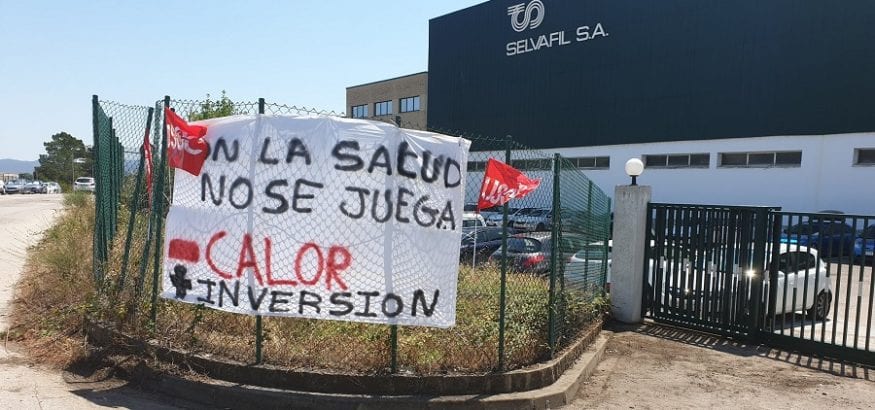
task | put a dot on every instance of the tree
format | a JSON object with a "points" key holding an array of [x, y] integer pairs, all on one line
{"points": [[59, 162], [213, 109], [25, 176]]}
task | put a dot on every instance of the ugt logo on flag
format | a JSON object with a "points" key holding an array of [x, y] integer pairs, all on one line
{"points": [[501, 183], [186, 147]]}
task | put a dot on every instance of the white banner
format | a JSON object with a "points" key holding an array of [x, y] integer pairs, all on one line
{"points": [[322, 218]]}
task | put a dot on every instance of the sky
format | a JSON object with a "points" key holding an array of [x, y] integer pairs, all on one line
{"points": [[54, 55]]}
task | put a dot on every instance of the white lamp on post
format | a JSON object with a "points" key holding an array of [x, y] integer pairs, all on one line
{"points": [[634, 169]]}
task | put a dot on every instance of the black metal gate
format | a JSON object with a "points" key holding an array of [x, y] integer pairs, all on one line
{"points": [[798, 281], [704, 266]]}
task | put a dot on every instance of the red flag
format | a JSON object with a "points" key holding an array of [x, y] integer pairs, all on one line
{"points": [[501, 183], [186, 147], [147, 158]]}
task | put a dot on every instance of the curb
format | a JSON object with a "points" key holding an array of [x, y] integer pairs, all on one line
{"points": [[221, 394], [531, 378]]}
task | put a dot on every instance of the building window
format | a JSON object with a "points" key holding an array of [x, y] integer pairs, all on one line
{"points": [[761, 159], [410, 104], [591, 162], [359, 111], [476, 166], [677, 161], [864, 156], [383, 108]]}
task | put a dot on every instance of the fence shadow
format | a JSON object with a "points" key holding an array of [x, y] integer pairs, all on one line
{"points": [[747, 349]]}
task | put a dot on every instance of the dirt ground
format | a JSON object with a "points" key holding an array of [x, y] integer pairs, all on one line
{"points": [[655, 367]]}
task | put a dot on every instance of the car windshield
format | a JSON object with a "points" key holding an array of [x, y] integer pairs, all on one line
{"points": [[523, 245], [538, 212], [83, 180]]}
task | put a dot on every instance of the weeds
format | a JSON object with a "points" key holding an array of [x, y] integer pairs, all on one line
{"points": [[57, 293]]}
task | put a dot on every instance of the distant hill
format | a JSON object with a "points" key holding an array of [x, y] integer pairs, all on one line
{"points": [[15, 166]]}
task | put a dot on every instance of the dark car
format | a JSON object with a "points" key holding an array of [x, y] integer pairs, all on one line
{"points": [[531, 252], [830, 236], [864, 245], [486, 242]]}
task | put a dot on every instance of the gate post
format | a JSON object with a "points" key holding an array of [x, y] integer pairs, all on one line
{"points": [[630, 234]]}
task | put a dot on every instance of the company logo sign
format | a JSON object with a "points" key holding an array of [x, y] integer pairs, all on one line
{"points": [[524, 16], [529, 16]]}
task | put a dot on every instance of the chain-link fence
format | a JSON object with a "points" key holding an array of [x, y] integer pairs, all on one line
{"points": [[531, 275]]}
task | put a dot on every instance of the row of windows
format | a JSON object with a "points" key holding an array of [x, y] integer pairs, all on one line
{"points": [[791, 159], [546, 164], [726, 159], [409, 104]]}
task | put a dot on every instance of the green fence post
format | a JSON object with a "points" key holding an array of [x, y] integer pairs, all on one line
{"points": [[393, 348], [159, 215], [502, 298], [135, 203], [95, 123], [259, 327], [554, 258]]}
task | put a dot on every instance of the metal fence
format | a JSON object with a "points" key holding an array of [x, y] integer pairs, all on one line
{"points": [[800, 281], [531, 278]]}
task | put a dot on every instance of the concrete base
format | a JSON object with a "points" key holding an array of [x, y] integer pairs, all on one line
{"points": [[220, 394], [627, 255]]}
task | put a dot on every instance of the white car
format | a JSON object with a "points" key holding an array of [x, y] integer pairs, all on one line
{"points": [[471, 219], [84, 184], [585, 266], [535, 220], [52, 188], [803, 284]]}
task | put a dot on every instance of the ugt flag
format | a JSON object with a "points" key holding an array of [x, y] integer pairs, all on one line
{"points": [[501, 183], [186, 147]]}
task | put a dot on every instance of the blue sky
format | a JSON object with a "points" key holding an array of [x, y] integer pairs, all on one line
{"points": [[55, 55]]}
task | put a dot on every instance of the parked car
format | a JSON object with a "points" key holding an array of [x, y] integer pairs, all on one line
{"points": [[15, 187], [84, 184], [495, 218], [484, 241], [52, 188], [803, 284], [530, 252], [584, 268], [33, 187], [470, 219], [535, 220], [832, 237], [864, 245]]}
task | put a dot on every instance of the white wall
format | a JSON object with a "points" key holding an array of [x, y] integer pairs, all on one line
{"points": [[827, 178]]}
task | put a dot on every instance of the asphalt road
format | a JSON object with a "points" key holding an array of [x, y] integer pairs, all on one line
{"points": [[24, 385]]}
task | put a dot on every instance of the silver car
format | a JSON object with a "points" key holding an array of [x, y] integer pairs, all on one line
{"points": [[84, 184]]}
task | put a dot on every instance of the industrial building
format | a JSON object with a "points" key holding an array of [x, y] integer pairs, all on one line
{"points": [[745, 103]]}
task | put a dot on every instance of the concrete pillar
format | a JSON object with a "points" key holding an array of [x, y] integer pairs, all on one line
{"points": [[627, 256]]}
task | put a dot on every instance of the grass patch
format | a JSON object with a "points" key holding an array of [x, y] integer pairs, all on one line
{"points": [[57, 292]]}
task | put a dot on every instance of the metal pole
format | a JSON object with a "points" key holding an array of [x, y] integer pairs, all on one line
{"points": [[502, 298], [554, 257], [134, 205], [158, 196], [259, 327], [95, 260]]}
